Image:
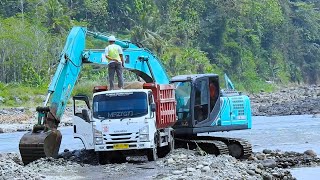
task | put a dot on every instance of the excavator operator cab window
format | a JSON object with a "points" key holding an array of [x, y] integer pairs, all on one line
{"points": [[214, 91], [182, 93], [201, 100]]}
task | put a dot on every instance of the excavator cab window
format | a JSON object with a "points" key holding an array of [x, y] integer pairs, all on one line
{"points": [[182, 93], [201, 100], [214, 91]]}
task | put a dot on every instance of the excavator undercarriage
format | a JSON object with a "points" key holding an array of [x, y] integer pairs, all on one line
{"points": [[238, 148]]}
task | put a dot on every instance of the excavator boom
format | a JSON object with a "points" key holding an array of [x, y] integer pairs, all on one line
{"points": [[45, 138], [198, 110]]}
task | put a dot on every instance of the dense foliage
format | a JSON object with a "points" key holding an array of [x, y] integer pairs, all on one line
{"points": [[253, 41]]}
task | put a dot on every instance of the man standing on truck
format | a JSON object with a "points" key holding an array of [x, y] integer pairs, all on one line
{"points": [[114, 54]]}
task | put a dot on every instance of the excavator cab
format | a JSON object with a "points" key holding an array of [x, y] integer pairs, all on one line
{"points": [[202, 107], [198, 101]]}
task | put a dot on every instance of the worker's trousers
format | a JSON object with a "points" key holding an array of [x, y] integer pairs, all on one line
{"points": [[112, 68]]}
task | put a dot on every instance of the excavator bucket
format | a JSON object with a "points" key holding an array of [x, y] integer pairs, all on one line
{"points": [[36, 145]]}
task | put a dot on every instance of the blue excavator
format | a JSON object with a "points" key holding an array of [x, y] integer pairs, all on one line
{"points": [[202, 106]]}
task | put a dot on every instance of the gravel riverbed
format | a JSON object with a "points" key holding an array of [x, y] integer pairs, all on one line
{"points": [[286, 101], [179, 164]]}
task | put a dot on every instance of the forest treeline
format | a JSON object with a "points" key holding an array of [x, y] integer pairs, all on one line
{"points": [[253, 41]]}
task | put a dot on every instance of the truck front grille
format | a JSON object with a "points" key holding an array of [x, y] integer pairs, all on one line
{"points": [[121, 138], [121, 134], [122, 142]]}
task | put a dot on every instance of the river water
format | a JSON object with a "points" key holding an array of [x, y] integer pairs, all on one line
{"points": [[288, 133]]}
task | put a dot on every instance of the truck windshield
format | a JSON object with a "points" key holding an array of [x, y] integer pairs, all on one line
{"points": [[120, 105], [183, 92]]}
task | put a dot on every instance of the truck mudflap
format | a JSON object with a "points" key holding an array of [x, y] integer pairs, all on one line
{"points": [[36, 145]]}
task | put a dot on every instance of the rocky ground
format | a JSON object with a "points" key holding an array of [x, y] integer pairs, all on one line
{"points": [[180, 164], [287, 101], [23, 119]]}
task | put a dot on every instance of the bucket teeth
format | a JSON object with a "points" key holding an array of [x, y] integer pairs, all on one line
{"points": [[31, 152]]}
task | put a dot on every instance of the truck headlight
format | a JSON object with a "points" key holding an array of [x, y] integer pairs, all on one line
{"points": [[144, 137], [144, 130], [99, 141], [144, 133], [98, 137]]}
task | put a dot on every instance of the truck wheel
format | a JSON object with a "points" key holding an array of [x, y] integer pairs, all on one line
{"points": [[171, 144], [152, 154], [102, 158]]}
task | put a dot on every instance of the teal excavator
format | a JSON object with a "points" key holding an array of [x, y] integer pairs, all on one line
{"points": [[201, 105]]}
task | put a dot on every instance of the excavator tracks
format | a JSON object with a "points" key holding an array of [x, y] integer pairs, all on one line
{"points": [[236, 147], [209, 146]]}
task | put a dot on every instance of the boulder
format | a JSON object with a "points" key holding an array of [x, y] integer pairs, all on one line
{"points": [[310, 153], [269, 163]]}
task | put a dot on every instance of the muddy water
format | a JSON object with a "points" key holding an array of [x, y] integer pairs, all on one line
{"points": [[310, 173], [9, 142], [287, 133]]}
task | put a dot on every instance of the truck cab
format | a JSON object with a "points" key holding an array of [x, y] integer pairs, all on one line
{"points": [[124, 120], [121, 122]]}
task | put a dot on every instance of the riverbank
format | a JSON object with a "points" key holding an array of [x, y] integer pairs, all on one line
{"points": [[179, 164], [23, 119], [298, 135], [286, 101]]}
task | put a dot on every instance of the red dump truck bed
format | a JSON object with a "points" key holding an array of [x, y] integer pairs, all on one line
{"points": [[164, 96]]}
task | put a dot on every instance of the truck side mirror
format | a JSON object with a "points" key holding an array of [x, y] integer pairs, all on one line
{"points": [[153, 107]]}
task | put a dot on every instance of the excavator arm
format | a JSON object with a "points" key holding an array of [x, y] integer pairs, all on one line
{"points": [[45, 139]]}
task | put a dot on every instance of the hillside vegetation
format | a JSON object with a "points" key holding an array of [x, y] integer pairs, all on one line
{"points": [[252, 41]]}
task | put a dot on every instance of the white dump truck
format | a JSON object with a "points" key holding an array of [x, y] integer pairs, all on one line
{"points": [[122, 122]]}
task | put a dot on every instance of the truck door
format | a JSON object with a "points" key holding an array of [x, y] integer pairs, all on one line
{"points": [[82, 123]]}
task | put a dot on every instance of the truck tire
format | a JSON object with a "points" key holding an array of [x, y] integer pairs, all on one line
{"points": [[165, 150], [171, 144], [152, 154], [102, 158]]}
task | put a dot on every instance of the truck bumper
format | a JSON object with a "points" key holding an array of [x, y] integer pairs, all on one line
{"points": [[123, 146]]}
